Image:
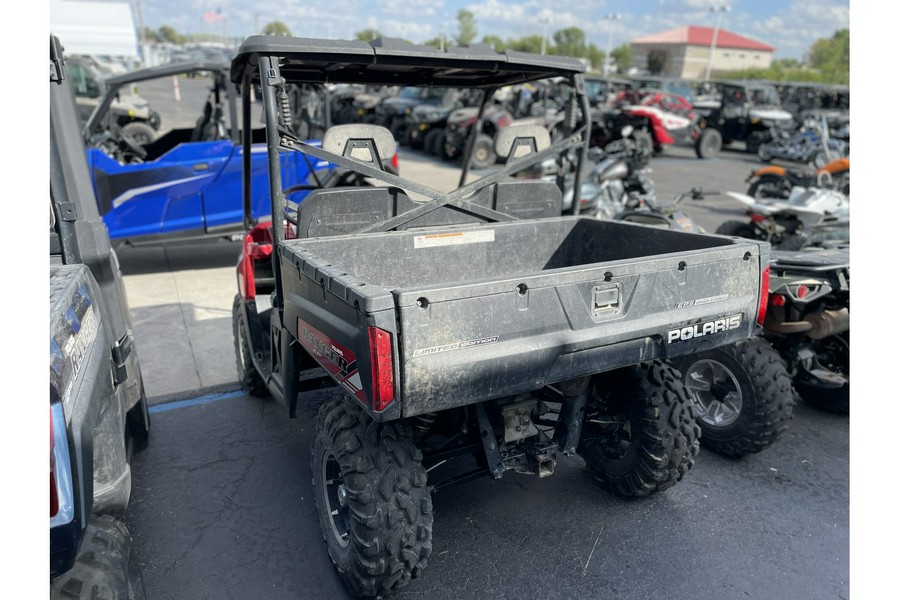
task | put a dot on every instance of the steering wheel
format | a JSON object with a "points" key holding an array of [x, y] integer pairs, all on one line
{"points": [[129, 141]]}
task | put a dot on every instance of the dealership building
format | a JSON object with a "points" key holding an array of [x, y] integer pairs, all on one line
{"points": [[685, 52]]}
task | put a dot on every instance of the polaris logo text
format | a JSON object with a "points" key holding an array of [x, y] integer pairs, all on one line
{"points": [[682, 334]]}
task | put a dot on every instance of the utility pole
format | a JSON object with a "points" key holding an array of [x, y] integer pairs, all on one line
{"points": [[606, 57], [719, 10], [545, 21], [140, 24]]}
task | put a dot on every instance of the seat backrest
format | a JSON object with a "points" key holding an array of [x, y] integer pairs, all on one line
{"points": [[361, 142], [517, 141]]}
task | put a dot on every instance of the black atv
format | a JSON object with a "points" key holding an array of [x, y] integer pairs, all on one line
{"points": [[393, 112], [743, 111]]}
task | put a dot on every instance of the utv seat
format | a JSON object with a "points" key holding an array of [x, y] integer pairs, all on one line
{"points": [[341, 211]]}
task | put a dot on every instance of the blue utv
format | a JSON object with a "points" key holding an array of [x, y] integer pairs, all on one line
{"points": [[186, 184]]}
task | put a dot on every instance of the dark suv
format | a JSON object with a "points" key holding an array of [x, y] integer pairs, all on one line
{"points": [[98, 409]]}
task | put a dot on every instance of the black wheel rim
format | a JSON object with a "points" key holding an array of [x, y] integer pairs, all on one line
{"points": [[336, 505], [714, 392]]}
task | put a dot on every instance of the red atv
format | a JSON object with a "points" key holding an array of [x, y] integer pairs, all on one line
{"points": [[672, 117]]}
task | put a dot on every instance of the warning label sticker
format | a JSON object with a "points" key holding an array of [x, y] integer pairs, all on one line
{"points": [[456, 238]]}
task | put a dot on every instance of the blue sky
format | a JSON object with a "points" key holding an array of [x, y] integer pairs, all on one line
{"points": [[789, 25]]}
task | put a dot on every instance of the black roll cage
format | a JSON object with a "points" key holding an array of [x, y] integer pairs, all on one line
{"points": [[270, 62]]}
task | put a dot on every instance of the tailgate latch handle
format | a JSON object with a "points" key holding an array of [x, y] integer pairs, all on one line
{"points": [[605, 300]]}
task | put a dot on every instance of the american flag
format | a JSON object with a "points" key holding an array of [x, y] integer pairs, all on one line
{"points": [[213, 16]]}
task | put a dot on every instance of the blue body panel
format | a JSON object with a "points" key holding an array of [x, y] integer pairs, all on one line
{"points": [[194, 189]]}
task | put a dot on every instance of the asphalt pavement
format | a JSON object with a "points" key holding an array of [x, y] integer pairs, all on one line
{"points": [[222, 504]]}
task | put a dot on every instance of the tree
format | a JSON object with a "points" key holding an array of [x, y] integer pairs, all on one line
{"points": [[595, 56], [368, 34], [149, 35], [623, 56], [657, 60], [467, 31], [167, 33], [529, 43], [276, 28], [570, 42], [831, 56], [494, 42]]}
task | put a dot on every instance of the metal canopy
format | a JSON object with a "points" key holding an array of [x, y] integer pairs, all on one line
{"points": [[396, 62]]}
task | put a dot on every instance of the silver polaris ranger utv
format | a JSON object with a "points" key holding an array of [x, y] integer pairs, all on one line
{"points": [[479, 323]]}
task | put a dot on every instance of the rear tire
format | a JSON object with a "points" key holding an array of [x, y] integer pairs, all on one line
{"points": [[769, 186], [709, 144], [833, 353], [741, 394], [250, 379], [434, 141], [640, 435], [106, 566], [372, 498], [483, 155]]}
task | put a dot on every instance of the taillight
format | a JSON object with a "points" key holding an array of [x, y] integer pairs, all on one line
{"points": [[757, 218], [763, 296], [54, 495], [777, 300], [802, 291], [395, 161], [381, 353]]}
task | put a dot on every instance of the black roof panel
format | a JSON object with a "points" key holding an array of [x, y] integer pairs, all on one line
{"points": [[395, 62]]}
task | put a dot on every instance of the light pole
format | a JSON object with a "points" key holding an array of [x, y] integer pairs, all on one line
{"points": [[718, 10], [544, 22], [606, 57]]}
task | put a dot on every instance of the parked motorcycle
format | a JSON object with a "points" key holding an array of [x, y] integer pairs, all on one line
{"points": [[620, 173], [809, 217], [777, 182], [650, 210], [811, 144], [808, 322]]}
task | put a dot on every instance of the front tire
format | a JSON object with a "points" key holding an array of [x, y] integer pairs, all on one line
{"points": [[142, 133], [640, 435], [741, 394], [434, 141], [250, 379], [373, 502], [709, 144]]}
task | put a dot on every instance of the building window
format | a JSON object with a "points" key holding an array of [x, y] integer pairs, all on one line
{"points": [[726, 54], [756, 57], [742, 56]]}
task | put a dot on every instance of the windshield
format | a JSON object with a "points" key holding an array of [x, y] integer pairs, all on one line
{"points": [[594, 90], [411, 93], [764, 96], [680, 88]]}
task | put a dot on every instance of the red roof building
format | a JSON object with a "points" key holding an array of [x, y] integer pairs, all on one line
{"points": [[686, 52]]}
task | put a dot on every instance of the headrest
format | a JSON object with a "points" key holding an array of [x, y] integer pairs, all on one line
{"points": [[517, 141], [354, 140]]}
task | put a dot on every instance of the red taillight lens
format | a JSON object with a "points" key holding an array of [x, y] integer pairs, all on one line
{"points": [[802, 291], [395, 161], [777, 300], [54, 495], [763, 296], [757, 218], [381, 353]]}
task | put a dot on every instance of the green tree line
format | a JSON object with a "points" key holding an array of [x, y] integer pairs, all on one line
{"points": [[827, 61]]}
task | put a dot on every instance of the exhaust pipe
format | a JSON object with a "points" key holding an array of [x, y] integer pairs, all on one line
{"points": [[816, 325]]}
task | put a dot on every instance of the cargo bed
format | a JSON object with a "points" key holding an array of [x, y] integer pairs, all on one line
{"points": [[490, 311]]}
